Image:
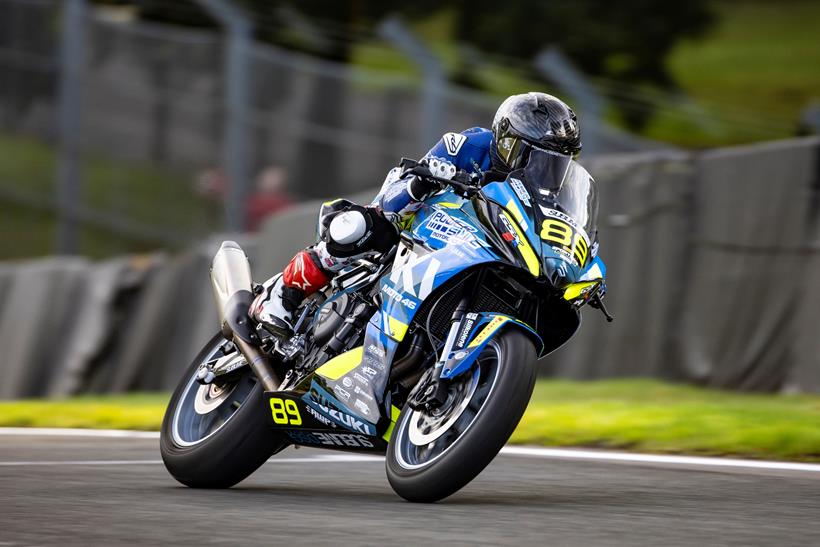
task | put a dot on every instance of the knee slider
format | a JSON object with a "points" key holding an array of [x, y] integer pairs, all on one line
{"points": [[347, 227], [359, 230]]}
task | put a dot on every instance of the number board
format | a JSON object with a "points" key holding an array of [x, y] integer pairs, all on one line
{"points": [[563, 236]]}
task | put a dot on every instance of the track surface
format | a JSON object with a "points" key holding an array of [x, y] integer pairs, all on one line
{"points": [[298, 497]]}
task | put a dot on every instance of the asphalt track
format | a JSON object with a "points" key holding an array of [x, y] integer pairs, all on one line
{"points": [[79, 490]]}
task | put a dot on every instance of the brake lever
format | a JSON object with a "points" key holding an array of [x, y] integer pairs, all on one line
{"points": [[465, 184], [598, 303]]}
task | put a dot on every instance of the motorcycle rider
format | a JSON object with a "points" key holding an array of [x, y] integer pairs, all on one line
{"points": [[347, 231]]}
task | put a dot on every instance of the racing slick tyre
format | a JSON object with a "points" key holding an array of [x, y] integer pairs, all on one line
{"points": [[431, 455], [216, 435]]}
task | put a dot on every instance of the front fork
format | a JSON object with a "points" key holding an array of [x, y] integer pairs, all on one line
{"points": [[433, 392]]}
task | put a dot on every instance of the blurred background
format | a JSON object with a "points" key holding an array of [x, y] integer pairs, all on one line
{"points": [[135, 134]]}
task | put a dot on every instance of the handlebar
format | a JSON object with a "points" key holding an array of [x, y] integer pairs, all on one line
{"points": [[465, 184]]}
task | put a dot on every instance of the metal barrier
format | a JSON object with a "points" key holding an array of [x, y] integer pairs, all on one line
{"points": [[156, 132], [713, 258]]}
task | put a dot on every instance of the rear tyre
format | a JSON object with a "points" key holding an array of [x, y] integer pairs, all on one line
{"points": [[431, 456], [215, 436]]}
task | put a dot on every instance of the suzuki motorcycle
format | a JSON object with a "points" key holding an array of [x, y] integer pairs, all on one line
{"points": [[425, 354]]}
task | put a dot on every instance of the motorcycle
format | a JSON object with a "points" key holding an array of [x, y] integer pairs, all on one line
{"points": [[425, 354]]}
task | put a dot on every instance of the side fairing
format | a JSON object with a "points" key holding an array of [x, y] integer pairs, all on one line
{"points": [[446, 241]]}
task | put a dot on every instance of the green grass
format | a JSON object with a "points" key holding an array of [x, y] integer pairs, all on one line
{"points": [[640, 415], [148, 196], [647, 415], [755, 71], [748, 79], [141, 411]]}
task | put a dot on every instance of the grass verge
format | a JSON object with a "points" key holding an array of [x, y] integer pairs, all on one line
{"points": [[639, 415], [141, 411], [652, 416]]}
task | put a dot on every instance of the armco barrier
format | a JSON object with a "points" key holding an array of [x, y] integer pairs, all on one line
{"points": [[36, 322], [714, 278]]}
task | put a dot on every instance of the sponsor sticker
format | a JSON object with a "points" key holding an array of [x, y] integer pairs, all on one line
{"points": [[521, 192], [318, 399], [397, 296], [320, 417], [363, 393], [465, 331], [361, 405], [453, 142], [342, 393], [376, 350], [330, 439]]}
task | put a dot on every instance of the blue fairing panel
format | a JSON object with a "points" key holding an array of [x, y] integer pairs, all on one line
{"points": [[447, 242]]}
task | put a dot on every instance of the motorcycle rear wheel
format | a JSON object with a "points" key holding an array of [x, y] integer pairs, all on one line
{"points": [[433, 455], [216, 435]]}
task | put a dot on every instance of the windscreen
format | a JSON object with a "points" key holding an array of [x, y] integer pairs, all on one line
{"points": [[561, 184]]}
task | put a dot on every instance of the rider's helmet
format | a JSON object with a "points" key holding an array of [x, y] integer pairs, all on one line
{"points": [[533, 120]]}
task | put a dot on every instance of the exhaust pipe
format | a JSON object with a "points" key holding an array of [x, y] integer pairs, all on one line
{"points": [[231, 282]]}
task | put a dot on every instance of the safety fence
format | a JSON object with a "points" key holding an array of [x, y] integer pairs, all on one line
{"points": [[714, 278], [146, 131]]}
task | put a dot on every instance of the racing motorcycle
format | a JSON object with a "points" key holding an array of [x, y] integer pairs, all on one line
{"points": [[425, 354]]}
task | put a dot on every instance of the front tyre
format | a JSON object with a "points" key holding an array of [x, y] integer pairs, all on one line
{"points": [[431, 456], [216, 435]]}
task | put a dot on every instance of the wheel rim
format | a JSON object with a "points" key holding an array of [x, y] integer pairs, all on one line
{"points": [[423, 438], [202, 410]]}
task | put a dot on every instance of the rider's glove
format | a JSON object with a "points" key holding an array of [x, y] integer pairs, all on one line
{"points": [[419, 183]]}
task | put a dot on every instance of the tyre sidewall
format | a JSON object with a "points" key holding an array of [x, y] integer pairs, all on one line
{"points": [[492, 427], [232, 452]]}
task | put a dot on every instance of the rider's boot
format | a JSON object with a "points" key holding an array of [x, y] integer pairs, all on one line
{"points": [[269, 309], [282, 295]]}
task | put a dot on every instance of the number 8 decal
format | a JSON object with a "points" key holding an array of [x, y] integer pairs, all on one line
{"points": [[560, 233], [557, 232]]}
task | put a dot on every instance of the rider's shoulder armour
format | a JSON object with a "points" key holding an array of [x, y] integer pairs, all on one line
{"points": [[468, 150]]}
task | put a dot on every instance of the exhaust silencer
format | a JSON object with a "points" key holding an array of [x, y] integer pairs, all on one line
{"points": [[230, 278], [231, 282]]}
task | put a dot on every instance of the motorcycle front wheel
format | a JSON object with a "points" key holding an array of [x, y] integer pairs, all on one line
{"points": [[432, 455], [216, 435]]}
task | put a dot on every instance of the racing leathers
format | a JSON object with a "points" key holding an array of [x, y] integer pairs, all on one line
{"points": [[347, 232]]}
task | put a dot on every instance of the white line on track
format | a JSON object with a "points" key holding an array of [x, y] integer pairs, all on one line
{"points": [[316, 459], [82, 462], [522, 451], [626, 457], [67, 432]]}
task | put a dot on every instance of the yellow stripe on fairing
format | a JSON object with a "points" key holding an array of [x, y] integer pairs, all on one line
{"points": [[491, 327], [519, 216], [529, 256], [341, 364], [394, 417], [397, 328], [449, 204]]}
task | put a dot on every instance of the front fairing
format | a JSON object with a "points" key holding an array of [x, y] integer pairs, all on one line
{"points": [[551, 217]]}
